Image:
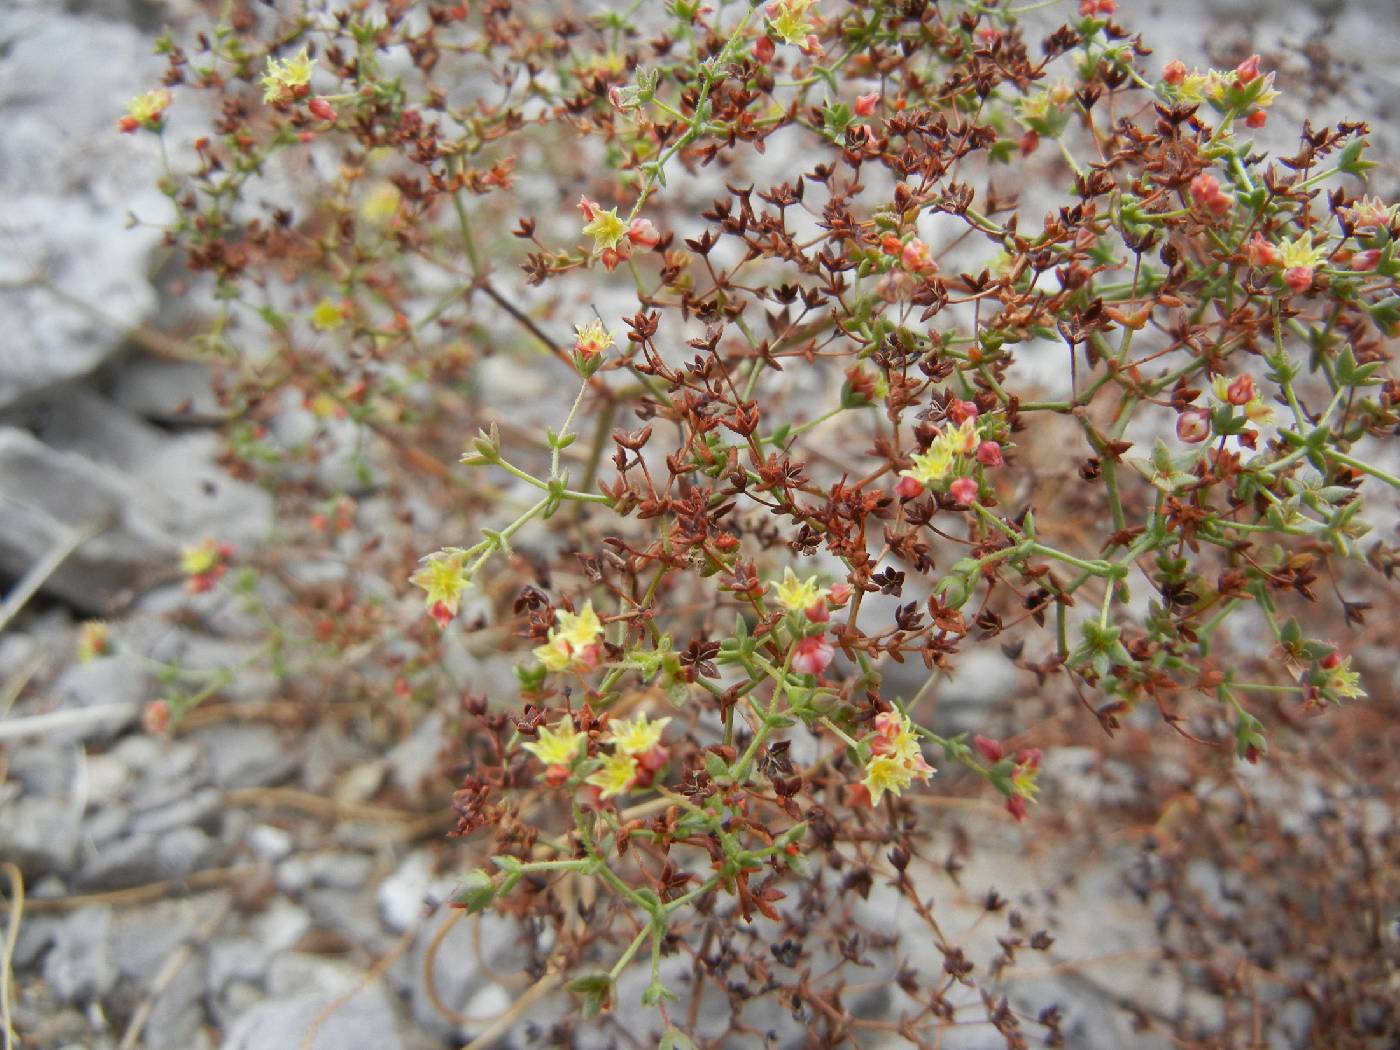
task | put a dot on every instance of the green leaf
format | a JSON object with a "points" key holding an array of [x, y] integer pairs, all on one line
{"points": [[476, 893], [595, 989]]}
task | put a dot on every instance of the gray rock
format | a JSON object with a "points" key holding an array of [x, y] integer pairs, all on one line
{"points": [[178, 1012], [137, 859], [40, 835], [68, 181], [245, 755], [202, 809], [75, 418], [236, 959], [115, 679], [143, 938], [307, 990], [174, 392], [185, 850], [45, 495], [80, 966], [402, 894], [365, 1022]]}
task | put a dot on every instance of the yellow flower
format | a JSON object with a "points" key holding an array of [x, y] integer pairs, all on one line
{"points": [[592, 339], [886, 773], [559, 746], [965, 439], [554, 655], [636, 736], [1345, 682], [285, 76], [1256, 411], [443, 576], [795, 595], [1301, 252], [93, 641], [932, 466], [606, 229], [788, 19], [580, 629], [326, 316], [147, 109], [199, 559], [381, 204], [614, 776]]}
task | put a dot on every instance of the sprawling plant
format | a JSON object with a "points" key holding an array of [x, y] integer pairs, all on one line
{"points": [[882, 333]]}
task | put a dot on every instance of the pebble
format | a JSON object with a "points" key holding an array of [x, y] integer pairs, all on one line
{"points": [[80, 965]]}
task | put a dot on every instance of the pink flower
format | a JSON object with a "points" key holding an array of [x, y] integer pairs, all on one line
{"points": [[907, 488], [916, 255], [839, 594], [865, 104], [1193, 425], [818, 612], [764, 49], [1088, 8], [1367, 260], [964, 490], [959, 411], [1298, 278], [1174, 72], [643, 233], [1257, 119], [1259, 252], [588, 208], [611, 258], [1206, 191], [1247, 70], [813, 655], [989, 454]]}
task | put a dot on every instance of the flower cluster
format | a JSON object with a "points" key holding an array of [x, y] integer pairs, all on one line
{"points": [[1013, 775], [204, 564], [951, 458], [896, 757], [1242, 90], [573, 641], [288, 79], [146, 111], [614, 239], [636, 757]]}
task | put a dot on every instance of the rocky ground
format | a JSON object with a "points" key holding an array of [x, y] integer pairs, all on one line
{"points": [[253, 883]]}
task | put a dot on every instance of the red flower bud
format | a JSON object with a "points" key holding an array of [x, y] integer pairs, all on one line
{"points": [[764, 49], [964, 490], [1247, 70], [989, 454], [441, 614], [1016, 806], [1331, 660], [865, 104], [1174, 72], [156, 716], [1030, 142], [907, 488], [1241, 391], [319, 107], [1366, 260], [959, 411], [1256, 119], [989, 749], [1298, 278]]}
